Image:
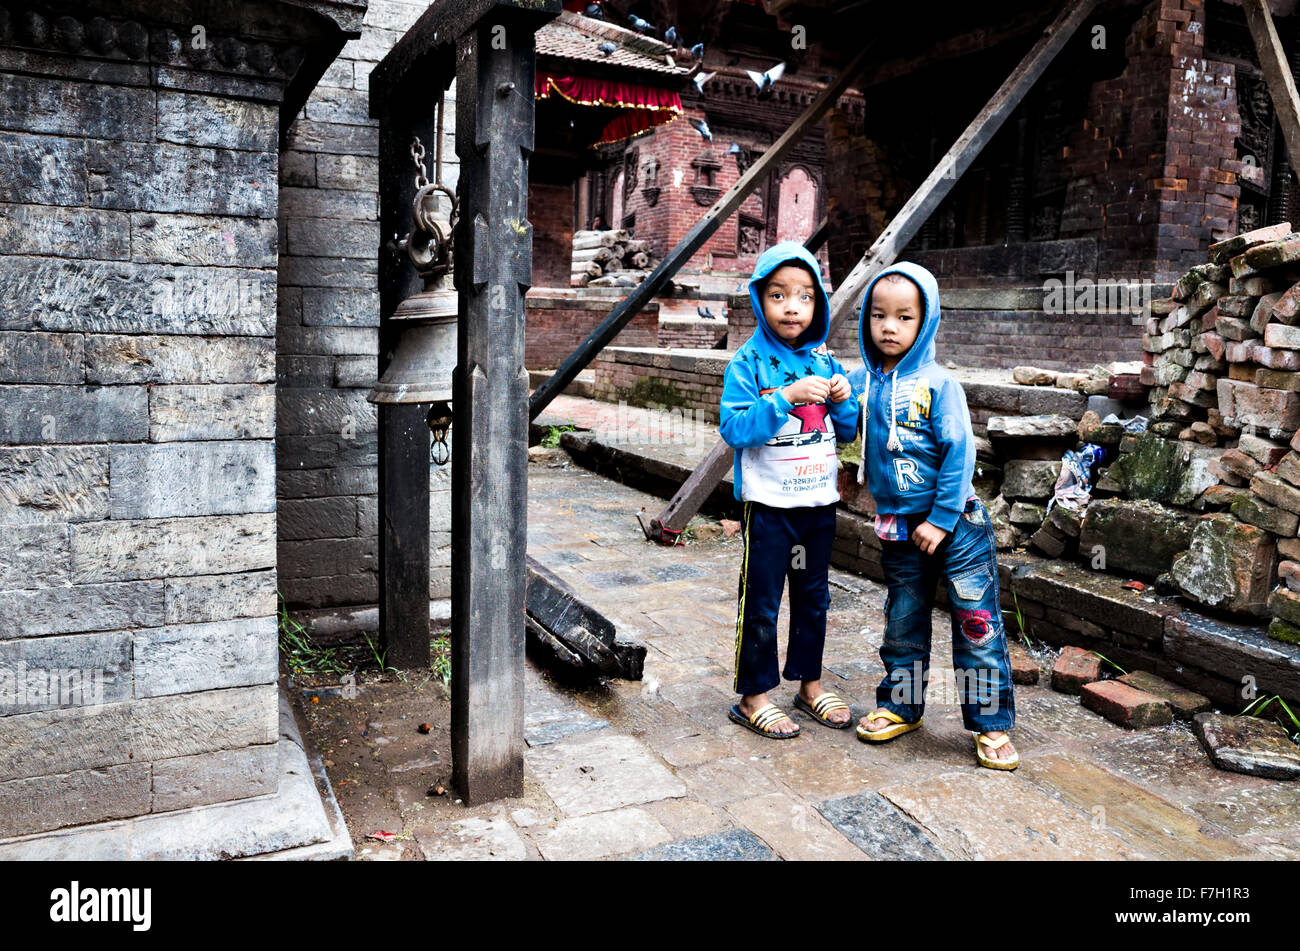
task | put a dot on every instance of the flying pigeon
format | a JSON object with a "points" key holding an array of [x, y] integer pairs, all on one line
{"points": [[700, 79], [641, 26], [607, 48], [701, 127], [705, 312], [670, 36], [765, 81], [735, 149], [697, 51], [593, 11]]}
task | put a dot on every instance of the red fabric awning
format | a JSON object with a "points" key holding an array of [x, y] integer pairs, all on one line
{"points": [[644, 107]]}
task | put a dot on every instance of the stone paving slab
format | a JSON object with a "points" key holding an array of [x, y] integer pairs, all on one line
{"points": [[602, 834], [986, 815], [597, 772], [793, 828], [871, 823], [737, 845], [1137, 816]]}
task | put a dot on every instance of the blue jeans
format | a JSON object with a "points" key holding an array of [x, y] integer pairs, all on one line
{"points": [[968, 558]]}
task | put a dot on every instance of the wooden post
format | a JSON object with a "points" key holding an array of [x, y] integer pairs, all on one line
{"points": [[899, 232], [494, 126], [1281, 84]]}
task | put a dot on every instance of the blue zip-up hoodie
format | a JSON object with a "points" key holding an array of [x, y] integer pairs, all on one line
{"points": [[918, 448], [788, 451]]}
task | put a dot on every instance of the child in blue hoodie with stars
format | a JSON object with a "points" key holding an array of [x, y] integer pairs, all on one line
{"points": [[918, 453], [779, 393]]}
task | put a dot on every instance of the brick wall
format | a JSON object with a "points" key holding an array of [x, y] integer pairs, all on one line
{"points": [[138, 212], [327, 353], [555, 325], [691, 381], [690, 333], [550, 210], [1154, 166]]}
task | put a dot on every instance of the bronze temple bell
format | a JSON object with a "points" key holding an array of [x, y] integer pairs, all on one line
{"points": [[421, 368]]}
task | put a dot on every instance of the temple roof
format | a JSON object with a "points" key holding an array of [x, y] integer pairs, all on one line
{"points": [[574, 37]]}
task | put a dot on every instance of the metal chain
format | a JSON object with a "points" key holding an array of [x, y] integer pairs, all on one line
{"points": [[417, 156]]}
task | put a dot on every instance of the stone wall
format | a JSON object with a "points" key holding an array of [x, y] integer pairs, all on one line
{"points": [[690, 333], [137, 412], [327, 355]]}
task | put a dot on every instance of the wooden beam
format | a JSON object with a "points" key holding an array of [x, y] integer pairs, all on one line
{"points": [[694, 239], [897, 234], [1277, 74]]}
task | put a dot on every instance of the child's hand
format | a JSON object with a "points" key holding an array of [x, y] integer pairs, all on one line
{"points": [[928, 537], [840, 389], [811, 389]]}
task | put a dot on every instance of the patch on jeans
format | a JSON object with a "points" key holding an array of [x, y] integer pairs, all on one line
{"points": [[975, 515], [975, 624]]}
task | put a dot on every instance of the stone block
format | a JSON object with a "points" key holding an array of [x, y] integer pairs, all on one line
{"points": [[340, 307], [1223, 251], [1276, 491], [220, 776], [33, 357], [123, 297], [1025, 514], [82, 109], [1029, 479], [1141, 537], [1284, 603], [131, 176], [187, 118], [69, 233], [171, 547], [327, 412], [1125, 705], [203, 478], [317, 518], [211, 411], [74, 414], [191, 657], [34, 556], [1228, 565], [1280, 630], [68, 609], [41, 803], [49, 673], [139, 731], [53, 483], [1044, 427], [1274, 253], [159, 238], [117, 358], [1233, 652], [1074, 668], [1246, 744], [1163, 471], [1094, 596], [218, 598]]}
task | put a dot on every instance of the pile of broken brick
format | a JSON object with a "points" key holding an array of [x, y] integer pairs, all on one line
{"points": [[1224, 354], [1139, 699]]}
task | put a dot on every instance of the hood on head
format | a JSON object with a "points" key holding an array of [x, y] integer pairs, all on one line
{"points": [[784, 253], [922, 350]]}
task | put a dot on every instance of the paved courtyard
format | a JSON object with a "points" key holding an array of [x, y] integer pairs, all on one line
{"points": [[654, 769]]}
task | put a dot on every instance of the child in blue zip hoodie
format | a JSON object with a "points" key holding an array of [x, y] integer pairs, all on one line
{"points": [[779, 392], [918, 453]]}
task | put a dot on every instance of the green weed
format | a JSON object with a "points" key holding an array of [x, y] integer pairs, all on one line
{"points": [[302, 654], [552, 438], [1107, 660]]}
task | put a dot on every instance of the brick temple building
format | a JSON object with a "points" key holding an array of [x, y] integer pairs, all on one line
{"points": [[1150, 135]]}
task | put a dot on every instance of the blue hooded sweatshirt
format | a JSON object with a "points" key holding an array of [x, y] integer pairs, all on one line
{"points": [[785, 455], [918, 448]]}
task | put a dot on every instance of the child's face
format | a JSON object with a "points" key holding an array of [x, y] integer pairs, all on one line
{"points": [[789, 302], [896, 314]]}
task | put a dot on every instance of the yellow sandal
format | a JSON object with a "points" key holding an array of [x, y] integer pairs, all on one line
{"points": [[900, 726], [990, 762]]}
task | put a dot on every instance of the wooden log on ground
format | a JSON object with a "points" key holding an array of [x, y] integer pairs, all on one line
{"points": [[593, 254], [586, 240], [639, 259], [573, 628]]}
